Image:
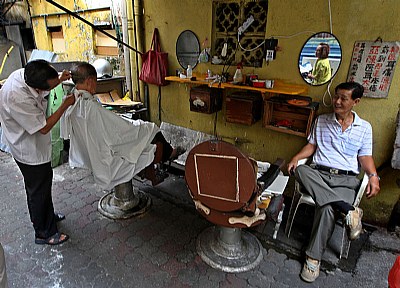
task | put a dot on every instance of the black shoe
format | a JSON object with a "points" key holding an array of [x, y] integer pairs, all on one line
{"points": [[178, 151], [59, 216]]}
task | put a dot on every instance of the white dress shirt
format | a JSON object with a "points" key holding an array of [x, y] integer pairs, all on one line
{"points": [[23, 114]]}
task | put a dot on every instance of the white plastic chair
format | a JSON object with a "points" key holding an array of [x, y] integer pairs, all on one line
{"points": [[301, 198]]}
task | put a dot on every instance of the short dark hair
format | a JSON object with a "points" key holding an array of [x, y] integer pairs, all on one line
{"points": [[37, 72], [324, 50], [356, 88], [81, 71]]}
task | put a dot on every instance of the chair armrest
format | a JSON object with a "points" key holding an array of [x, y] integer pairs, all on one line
{"points": [[302, 161]]}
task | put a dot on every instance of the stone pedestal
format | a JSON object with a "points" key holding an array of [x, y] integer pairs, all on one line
{"points": [[229, 249], [124, 201]]}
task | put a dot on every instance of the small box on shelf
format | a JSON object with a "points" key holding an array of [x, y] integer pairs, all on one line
{"points": [[244, 107], [204, 99], [295, 118]]}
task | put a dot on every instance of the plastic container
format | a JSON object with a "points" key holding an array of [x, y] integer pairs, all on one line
{"points": [[189, 72], [238, 77], [259, 83]]}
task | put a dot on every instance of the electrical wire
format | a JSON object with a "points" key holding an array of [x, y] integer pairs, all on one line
{"points": [[249, 50], [330, 15], [327, 91], [294, 35]]}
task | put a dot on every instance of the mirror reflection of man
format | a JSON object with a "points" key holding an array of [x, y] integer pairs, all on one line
{"points": [[322, 71]]}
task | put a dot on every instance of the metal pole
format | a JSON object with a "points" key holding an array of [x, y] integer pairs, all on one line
{"points": [[127, 57], [92, 25]]}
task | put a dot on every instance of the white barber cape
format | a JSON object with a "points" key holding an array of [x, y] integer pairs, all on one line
{"points": [[114, 149]]}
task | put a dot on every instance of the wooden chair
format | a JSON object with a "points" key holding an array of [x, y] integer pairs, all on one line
{"points": [[299, 197]]}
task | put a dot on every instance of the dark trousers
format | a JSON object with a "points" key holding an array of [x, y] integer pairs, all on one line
{"points": [[166, 147], [38, 180]]}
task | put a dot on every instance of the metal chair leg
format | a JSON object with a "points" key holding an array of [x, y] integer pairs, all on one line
{"points": [[345, 247], [292, 212]]}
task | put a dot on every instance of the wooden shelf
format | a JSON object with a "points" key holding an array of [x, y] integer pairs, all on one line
{"points": [[298, 118], [279, 87]]}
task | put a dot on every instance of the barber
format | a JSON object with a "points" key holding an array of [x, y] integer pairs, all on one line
{"points": [[23, 105], [339, 144]]}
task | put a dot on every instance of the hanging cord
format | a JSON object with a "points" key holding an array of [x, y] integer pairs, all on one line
{"points": [[160, 110], [215, 124], [227, 68], [328, 92], [249, 50], [294, 35], [330, 15]]}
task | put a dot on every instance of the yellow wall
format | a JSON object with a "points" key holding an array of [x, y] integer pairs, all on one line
{"points": [[79, 37], [351, 21]]}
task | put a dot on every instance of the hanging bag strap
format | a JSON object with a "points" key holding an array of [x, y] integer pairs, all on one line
{"points": [[156, 39]]}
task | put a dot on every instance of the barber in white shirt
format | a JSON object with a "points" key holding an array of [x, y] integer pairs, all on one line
{"points": [[26, 130]]}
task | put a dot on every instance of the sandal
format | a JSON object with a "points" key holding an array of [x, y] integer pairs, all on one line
{"points": [[56, 239], [59, 216]]}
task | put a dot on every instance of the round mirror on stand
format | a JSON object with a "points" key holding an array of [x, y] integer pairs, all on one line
{"points": [[320, 58], [187, 49]]}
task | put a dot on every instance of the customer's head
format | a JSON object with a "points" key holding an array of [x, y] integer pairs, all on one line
{"points": [[39, 74], [84, 76], [322, 51], [357, 90]]}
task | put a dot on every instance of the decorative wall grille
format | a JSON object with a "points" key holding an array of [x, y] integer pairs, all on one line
{"points": [[228, 16]]}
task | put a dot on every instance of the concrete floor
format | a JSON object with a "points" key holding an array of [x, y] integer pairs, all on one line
{"points": [[158, 249]]}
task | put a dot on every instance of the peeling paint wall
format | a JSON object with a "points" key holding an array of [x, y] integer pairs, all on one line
{"points": [[79, 37]]}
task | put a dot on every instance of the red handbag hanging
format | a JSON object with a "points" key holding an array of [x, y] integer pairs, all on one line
{"points": [[154, 63]]}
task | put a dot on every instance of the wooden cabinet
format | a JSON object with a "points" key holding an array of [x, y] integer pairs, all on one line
{"points": [[204, 99], [244, 107], [287, 118]]}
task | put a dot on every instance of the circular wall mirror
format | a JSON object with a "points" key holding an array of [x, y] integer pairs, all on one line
{"points": [[187, 49], [320, 58]]}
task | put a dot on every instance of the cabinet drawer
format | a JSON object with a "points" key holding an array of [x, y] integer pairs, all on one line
{"points": [[244, 108], [204, 99]]}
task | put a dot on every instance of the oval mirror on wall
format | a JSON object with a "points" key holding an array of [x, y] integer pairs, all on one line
{"points": [[187, 49], [320, 58]]}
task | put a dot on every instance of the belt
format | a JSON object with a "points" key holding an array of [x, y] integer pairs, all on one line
{"points": [[334, 170]]}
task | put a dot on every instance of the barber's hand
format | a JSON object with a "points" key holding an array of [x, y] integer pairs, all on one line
{"points": [[69, 99], [65, 75], [373, 187]]}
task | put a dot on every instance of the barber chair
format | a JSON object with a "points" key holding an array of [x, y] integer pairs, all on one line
{"points": [[223, 184]]}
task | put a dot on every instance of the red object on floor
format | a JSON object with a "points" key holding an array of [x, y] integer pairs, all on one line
{"points": [[394, 274]]}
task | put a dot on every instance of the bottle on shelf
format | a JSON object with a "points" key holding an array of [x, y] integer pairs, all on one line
{"points": [[238, 77], [189, 72]]}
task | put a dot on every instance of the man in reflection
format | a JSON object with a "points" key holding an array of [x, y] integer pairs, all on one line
{"points": [[340, 143], [322, 71]]}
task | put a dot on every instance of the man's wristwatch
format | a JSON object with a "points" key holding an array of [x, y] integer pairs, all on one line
{"points": [[374, 175]]}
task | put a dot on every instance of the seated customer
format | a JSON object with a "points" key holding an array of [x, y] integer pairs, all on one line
{"points": [[114, 148], [339, 143]]}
